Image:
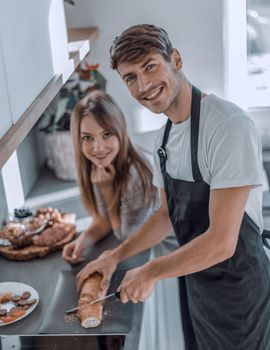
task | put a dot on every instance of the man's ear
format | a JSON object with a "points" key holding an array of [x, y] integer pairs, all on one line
{"points": [[177, 59]]}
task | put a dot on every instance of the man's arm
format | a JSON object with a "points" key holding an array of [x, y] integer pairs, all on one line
{"points": [[155, 229], [151, 233], [218, 243]]}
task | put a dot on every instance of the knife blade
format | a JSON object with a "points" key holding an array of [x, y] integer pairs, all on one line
{"points": [[116, 294]]}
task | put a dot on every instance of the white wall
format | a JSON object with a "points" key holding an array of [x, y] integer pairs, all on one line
{"points": [[194, 26]]}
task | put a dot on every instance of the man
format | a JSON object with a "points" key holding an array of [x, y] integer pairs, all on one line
{"points": [[208, 167]]}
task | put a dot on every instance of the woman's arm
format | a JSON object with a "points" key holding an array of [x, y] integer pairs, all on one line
{"points": [[103, 178], [74, 251], [99, 228], [112, 210], [135, 207]]}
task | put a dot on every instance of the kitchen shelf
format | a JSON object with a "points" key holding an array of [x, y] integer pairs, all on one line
{"points": [[16, 134], [49, 191], [79, 40]]}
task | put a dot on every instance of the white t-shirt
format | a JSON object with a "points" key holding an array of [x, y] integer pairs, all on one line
{"points": [[229, 152]]}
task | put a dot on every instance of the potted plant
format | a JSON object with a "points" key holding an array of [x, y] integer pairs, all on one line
{"points": [[56, 119]]}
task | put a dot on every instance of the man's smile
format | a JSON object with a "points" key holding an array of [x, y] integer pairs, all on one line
{"points": [[153, 94]]}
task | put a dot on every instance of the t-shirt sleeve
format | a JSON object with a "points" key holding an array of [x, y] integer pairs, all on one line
{"points": [[234, 156]]}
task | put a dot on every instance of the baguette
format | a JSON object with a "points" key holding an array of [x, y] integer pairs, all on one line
{"points": [[91, 315]]}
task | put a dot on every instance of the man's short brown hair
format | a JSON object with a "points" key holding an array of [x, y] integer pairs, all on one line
{"points": [[137, 41]]}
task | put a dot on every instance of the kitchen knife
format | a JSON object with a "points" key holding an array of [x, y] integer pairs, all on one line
{"points": [[116, 294]]}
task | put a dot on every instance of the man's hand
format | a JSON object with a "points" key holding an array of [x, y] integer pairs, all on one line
{"points": [[137, 285], [105, 264], [102, 176]]}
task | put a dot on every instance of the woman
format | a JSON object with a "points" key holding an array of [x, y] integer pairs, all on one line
{"points": [[114, 178], [116, 188]]}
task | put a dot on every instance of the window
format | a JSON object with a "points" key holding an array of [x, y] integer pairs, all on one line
{"points": [[258, 52]]}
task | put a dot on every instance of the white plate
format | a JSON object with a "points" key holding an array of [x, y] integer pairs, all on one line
{"points": [[17, 288]]}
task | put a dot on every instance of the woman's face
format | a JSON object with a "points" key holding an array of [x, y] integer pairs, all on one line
{"points": [[99, 145]]}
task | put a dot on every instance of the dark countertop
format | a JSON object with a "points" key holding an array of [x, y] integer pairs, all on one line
{"points": [[43, 275]]}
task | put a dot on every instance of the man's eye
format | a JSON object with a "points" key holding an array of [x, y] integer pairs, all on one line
{"points": [[130, 79], [150, 66], [107, 134], [87, 138]]}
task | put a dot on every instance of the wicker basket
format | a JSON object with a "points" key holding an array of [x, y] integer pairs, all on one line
{"points": [[61, 155]]}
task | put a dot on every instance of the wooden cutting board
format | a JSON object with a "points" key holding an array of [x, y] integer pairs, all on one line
{"points": [[33, 251]]}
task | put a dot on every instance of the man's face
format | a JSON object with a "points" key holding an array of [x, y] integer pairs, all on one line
{"points": [[153, 81]]}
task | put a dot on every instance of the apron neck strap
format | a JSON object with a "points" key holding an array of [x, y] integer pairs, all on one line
{"points": [[194, 133], [162, 149]]}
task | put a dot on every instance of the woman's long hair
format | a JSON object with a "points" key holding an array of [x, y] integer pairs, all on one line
{"points": [[109, 116]]}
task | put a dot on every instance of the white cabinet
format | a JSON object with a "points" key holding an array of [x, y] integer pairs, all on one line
{"points": [[34, 45], [5, 113], [37, 56]]}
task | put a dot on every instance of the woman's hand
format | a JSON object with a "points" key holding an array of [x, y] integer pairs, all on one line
{"points": [[73, 251], [105, 264], [103, 176], [137, 285]]}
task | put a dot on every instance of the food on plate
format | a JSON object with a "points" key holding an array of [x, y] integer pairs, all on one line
{"points": [[91, 314], [26, 295], [18, 304], [35, 225], [16, 298], [51, 215], [50, 236], [12, 229], [16, 312], [5, 298], [7, 319], [20, 241], [3, 312], [37, 236], [21, 213], [26, 302], [20, 234], [15, 233]]}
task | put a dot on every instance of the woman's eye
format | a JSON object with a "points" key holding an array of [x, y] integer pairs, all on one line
{"points": [[107, 134], [87, 138]]}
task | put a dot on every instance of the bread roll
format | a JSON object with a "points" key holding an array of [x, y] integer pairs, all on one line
{"points": [[91, 315]]}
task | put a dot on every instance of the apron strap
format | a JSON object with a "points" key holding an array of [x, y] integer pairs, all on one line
{"points": [[265, 236], [194, 136], [162, 149]]}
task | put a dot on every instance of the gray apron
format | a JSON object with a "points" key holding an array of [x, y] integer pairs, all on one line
{"points": [[227, 306]]}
